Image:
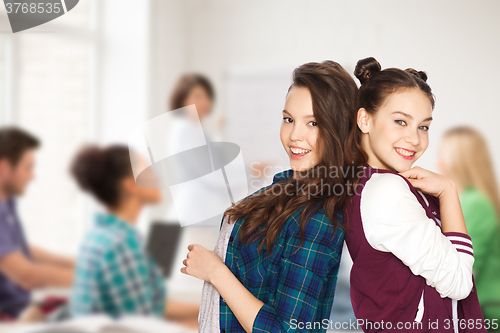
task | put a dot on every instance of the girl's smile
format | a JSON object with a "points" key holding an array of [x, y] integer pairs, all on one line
{"points": [[297, 153], [406, 154]]}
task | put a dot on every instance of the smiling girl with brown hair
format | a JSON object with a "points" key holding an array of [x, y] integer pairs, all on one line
{"points": [[275, 265]]}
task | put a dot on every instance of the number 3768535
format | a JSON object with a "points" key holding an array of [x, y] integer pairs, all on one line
{"points": [[24, 7]]}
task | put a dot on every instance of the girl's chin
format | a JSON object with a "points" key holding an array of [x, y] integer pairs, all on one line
{"points": [[300, 168], [401, 167], [300, 164]]}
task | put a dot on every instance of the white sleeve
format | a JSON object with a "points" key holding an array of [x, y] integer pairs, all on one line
{"points": [[394, 221]]}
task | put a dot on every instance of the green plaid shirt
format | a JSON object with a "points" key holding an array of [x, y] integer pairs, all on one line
{"points": [[297, 288], [114, 275]]}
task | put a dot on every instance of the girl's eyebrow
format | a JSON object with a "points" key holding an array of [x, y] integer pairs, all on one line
{"points": [[308, 116], [410, 116]]}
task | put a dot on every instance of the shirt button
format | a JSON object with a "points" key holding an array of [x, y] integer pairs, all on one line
{"points": [[223, 331], [231, 238]]}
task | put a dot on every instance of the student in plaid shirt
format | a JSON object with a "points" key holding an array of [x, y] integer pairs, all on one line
{"points": [[114, 274], [274, 268]]}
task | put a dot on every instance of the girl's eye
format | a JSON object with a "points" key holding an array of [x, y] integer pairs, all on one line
{"points": [[400, 122], [424, 128], [285, 119], [313, 123]]}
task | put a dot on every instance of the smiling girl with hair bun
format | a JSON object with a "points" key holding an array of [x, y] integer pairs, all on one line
{"points": [[412, 256]]}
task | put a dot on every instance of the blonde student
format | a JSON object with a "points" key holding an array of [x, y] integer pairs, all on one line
{"points": [[464, 157]]}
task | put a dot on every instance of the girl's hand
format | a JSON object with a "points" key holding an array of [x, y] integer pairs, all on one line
{"points": [[428, 181], [201, 263]]}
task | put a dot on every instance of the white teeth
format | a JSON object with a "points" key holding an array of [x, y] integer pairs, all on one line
{"points": [[299, 151], [405, 152]]}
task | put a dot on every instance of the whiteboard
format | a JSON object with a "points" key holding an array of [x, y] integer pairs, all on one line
{"points": [[255, 101]]}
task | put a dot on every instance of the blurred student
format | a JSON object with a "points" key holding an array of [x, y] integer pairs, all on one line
{"points": [[114, 273], [193, 88], [196, 89], [464, 158], [22, 267]]}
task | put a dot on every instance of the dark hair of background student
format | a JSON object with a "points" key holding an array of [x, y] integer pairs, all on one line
{"points": [[99, 171], [14, 142], [185, 84]]}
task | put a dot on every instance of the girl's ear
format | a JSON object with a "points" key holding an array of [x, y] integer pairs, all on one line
{"points": [[4, 166], [362, 120], [128, 185]]}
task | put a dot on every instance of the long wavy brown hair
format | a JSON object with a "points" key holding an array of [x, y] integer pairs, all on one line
{"points": [[334, 95]]}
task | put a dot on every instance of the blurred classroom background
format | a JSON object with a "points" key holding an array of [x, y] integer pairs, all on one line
{"points": [[95, 73]]}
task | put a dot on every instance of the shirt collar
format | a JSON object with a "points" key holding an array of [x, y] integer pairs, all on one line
{"points": [[8, 206], [467, 190], [282, 176], [370, 170], [107, 219]]}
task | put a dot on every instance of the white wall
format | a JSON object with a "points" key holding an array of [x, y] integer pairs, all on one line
{"points": [[123, 77]]}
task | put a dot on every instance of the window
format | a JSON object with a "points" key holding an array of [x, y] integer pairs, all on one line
{"points": [[45, 88]]}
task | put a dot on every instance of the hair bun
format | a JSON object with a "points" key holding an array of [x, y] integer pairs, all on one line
{"points": [[419, 74], [366, 68]]}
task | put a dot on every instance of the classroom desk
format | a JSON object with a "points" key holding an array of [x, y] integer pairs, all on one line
{"points": [[32, 328], [20, 328], [40, 294], [187, 295]]}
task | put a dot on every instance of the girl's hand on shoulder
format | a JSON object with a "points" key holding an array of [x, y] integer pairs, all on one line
{"points": [[201, 263], [429, 182]]}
